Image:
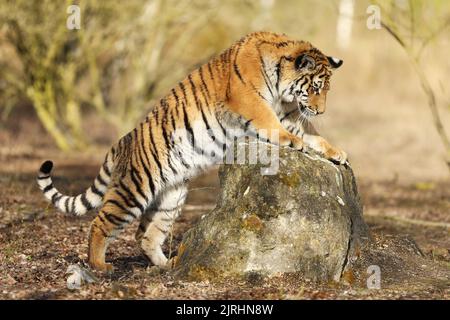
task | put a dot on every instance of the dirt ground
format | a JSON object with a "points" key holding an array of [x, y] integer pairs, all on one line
{"points": [[37, 243]]}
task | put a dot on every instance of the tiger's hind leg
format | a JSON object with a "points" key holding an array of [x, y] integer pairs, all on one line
{"points": [[156, 223], [118, 210]]}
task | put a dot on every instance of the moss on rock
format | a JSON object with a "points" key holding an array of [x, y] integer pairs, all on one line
{"points": [[306, 218]]}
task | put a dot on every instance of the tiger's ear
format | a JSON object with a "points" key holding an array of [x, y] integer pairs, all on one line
{"points": [[335, 62], [305, 61]]}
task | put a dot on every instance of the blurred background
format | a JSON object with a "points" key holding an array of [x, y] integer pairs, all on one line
{"points": [[76, 75], [70, 92]]}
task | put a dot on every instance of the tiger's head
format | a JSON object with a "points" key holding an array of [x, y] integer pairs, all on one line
{"points": [[287, 73], [304, 79]]}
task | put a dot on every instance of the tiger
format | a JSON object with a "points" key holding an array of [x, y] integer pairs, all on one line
{"points": [[267, 84]]}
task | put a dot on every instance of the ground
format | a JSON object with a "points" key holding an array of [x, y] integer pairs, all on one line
{"points": [[37, 243]]}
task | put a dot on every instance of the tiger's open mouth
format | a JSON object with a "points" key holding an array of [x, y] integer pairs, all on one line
{"points": [[303, 108], [306, 110]]}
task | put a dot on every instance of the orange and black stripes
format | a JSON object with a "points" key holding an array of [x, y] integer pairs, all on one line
{"points": [[241, 89]]}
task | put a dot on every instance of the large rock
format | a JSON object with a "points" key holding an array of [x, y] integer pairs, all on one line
{"points": [[306, 218]]}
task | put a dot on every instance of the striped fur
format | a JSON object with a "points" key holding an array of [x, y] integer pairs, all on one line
{"points": [[82, 203], [265, 83]]}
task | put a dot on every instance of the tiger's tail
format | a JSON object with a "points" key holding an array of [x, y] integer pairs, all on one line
{"points": [[77, 205]]}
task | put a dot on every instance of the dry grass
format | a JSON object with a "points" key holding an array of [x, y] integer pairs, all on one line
{"points": [[37, 243], [376, 112]]}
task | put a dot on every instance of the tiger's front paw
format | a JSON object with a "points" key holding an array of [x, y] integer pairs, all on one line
{"points": [[292, 141], [336, 155]]}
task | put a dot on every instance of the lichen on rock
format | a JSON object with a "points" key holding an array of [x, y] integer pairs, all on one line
{"points": [[306, 219]]}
